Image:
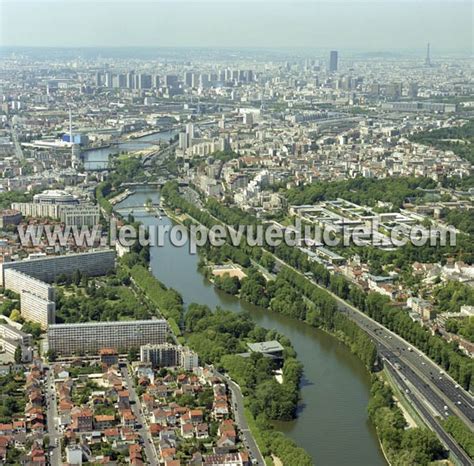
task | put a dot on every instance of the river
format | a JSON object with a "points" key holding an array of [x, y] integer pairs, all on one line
{"points": [[332, 423], [98, 159]]}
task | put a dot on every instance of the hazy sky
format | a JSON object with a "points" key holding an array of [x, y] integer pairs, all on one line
{"points": [[368, 25]]}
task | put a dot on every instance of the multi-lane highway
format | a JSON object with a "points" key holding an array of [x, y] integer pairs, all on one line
{"points": [[413, 396]]}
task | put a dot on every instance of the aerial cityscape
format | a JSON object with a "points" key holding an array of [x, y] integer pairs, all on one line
{"points": [[236, 233]]}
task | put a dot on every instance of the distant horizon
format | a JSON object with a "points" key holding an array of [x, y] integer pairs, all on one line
{"points": [[284, 52], [351, 25]]}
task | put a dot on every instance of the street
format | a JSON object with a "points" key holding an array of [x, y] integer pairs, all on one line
{"points": [[238, 408], [135, 405], [53, 433]]}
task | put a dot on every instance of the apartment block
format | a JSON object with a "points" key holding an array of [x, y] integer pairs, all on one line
{"points": [[91, 337], [93, 263], [18, 282], [169, 355], [70, 215], [37, 309]]}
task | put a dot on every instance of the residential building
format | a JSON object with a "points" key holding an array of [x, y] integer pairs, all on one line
{"points": [[91, 337]]}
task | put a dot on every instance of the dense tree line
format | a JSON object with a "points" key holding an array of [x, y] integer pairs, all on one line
{"points": [[364, 191], [414, 446], [460, 433], [228, 284], [7, 197], [168, 301], [462, 219], [463, 326]]}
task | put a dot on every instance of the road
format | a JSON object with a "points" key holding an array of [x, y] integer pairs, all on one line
{"points": [[51, 418], [411, 393], [443, 387], [238, 408], [149, 446]]}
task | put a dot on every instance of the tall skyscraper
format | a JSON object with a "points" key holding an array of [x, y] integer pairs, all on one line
{"points": [[144, 81], [130, 80], [108, 79], [428, 55], [333, 57]]}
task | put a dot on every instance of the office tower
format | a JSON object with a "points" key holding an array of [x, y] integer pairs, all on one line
{"points": [[115, 81], [183, 141], [188, 78], [413, 90], [190, 130], [195, 80], [428, 55], [122, 81], [156, 81], [144, 81], [98, 79], [333, 57], [204, 80], [108, 79], [171, 80], [130, 80]]}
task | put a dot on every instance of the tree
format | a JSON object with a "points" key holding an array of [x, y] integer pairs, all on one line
{"points": [[132, 355], [16, 316], [18, 356]]}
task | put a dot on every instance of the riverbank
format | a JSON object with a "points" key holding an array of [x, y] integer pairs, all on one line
{"points": [[335, 386]]}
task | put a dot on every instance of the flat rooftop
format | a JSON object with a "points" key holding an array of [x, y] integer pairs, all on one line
{"points": [[265, 347]]}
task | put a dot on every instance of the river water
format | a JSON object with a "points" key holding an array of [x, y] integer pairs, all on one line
{"points": [[332, 423], [98, 159]]}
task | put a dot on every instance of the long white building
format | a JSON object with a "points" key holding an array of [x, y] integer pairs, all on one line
{"points": [[91, 337], [92, 263], [28, 278], [70, 215]]}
